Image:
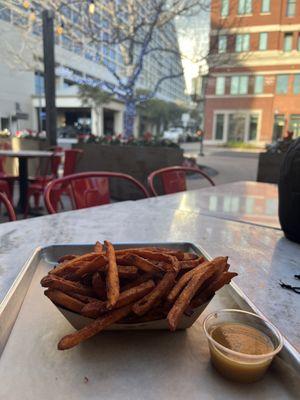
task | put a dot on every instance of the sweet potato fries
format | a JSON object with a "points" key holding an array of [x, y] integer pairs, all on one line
{"points": [[132, 285]]}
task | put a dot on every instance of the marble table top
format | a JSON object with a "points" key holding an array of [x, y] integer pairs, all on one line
{"points": [[26, 153], [250, 202], [261, 256]]}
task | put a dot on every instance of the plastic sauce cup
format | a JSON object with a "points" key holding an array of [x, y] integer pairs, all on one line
{"points": [[234, 365]]}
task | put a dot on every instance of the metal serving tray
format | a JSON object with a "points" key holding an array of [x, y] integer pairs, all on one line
{"points": [[118, 365]]}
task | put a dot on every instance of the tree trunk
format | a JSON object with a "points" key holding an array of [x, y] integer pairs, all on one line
{"points": [[129, 116]]}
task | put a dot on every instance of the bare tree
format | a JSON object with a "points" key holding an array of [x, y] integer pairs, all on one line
{"points": [[138, 29]]}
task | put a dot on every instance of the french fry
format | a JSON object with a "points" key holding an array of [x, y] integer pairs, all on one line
{"points": [[210, 290], [93, 310], [98, 263], [112, 276], [190, 264], [98, 248], [56, 282], [66, 257], [174, 293], [127, 271], [140, 279], [62, 299], [187, 294], [69, 341], [83, 298], [159, 292], [71, 265], [143, 264], [99, 286]]}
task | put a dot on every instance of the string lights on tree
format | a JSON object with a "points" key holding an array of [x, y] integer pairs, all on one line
{"points": [[92, 7]]}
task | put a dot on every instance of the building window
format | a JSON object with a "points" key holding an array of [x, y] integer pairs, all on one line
{"points": [[253, 125], [259, 84], [225, 8], [245, 7], [220, 85], [291, 8], [294, 124], [282, 84], [39, 82], [263, 41], [236, 128], [219, 129], [242, 42], [239, 85], [288, 42], [297, 84], [278, 126], [265, 6], [222, 44]]}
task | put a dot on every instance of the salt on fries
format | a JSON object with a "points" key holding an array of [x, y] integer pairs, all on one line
{"points": [[132, 285]]}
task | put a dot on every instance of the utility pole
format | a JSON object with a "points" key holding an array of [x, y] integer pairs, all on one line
{"points": [[49, 76]]}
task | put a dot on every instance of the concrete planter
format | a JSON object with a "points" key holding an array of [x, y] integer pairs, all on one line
{"points": [[269, 167], [137, 161]]}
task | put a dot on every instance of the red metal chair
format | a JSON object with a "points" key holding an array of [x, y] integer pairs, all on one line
{"points": [[173, 179], [9, 208], [71, 159], [85, 189], [37, 187]]}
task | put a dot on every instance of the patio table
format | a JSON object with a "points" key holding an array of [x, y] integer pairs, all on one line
{"points": [[261, 256], [23, 156], [248, 202]]}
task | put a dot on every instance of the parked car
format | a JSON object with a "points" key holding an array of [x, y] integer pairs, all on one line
{"points": [[176, 135]]}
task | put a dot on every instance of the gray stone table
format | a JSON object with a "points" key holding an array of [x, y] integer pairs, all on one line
{"points": [[261, 256], [249, 202]]}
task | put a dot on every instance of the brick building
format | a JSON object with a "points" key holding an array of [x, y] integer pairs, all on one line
{"points": [[253, 88]]}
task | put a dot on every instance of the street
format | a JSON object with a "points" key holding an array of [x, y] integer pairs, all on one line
{"points": [[229, 165]]}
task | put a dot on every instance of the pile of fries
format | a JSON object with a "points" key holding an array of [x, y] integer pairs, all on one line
{"points": [[132, 286]]}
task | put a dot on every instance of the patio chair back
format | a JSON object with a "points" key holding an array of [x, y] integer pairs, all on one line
{"points": [[85, 189], [9, 208], [173, 179], [71, 159]]}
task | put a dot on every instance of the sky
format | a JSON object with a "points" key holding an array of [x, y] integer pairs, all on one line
{"points": [[193, 36]]}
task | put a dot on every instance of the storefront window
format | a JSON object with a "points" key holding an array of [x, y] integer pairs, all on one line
{"points": [[253, 125], [236, 128], [294, 124], [219, 133], [278, 126]]}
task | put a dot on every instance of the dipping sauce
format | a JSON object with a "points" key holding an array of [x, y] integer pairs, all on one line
{"points": [[245, 340]]}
